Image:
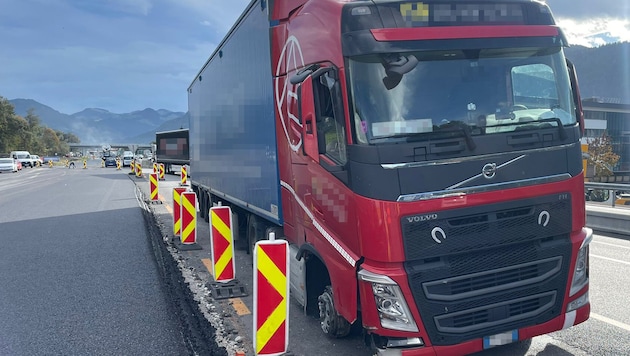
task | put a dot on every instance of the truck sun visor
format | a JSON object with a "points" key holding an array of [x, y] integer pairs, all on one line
{"points": [[406, 14]]}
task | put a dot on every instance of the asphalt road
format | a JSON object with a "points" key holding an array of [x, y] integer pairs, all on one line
{"points": [[78, 272]]}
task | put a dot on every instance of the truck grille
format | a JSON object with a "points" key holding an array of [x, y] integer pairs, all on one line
{"points": [[495, 268]]}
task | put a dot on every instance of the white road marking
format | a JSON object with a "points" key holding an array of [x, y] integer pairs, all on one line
{"points": [[610, 259], [609, 244], [610, 321]]}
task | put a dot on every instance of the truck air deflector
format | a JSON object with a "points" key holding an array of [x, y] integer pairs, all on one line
{"points": [[455, 13]]}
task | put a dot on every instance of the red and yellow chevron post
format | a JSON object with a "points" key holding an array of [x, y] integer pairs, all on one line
{"points": [[162, 171], [155, 168], [139, 170], [133, 166], [184, 175], [177, 223], [222, 243], [271, 291], [188, 215], [153, 184]]}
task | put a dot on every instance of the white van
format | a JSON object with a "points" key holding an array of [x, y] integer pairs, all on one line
{"points": [[24, 157], [127, 157]]}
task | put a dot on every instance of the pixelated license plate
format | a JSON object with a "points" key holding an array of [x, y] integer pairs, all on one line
{"points": [[500, 339]]}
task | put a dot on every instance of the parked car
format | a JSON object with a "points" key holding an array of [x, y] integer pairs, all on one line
{"points": [[110, 161], [8, 165], [24, 157], [37, 160], [623, 199]]}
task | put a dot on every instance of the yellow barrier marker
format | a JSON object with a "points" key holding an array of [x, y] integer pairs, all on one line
{"points": [[184, 175], [222, 245], [271, 319], [138, 170], [153, 184]]}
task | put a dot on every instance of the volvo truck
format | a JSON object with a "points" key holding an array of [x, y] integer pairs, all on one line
{"points": [[422, 159]]}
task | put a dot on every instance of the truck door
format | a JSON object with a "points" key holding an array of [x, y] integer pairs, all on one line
{"points": [[319, 170], [321, 179]]}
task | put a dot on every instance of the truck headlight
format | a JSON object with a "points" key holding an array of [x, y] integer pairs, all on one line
{"points": [[390, 303], [580, 273]]}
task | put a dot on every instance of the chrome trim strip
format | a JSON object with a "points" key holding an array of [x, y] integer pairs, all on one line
{"points": [[482, 188], [473, 158], [331, 240]]}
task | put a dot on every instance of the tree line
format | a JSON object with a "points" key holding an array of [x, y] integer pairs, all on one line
{"points": [[19, 133]]}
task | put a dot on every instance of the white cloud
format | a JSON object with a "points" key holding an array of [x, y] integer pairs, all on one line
{"points": [[141, 7], [215, 13], [595, 31]]}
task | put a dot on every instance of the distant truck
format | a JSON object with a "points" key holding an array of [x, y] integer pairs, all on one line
{"points": [[171, 148]]}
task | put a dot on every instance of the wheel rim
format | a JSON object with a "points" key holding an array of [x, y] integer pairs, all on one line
{"points": [[326, 308]]}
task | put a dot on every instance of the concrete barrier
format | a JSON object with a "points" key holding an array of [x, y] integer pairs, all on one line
{"points": [[608, 219]]}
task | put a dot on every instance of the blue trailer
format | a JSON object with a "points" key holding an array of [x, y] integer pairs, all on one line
{"points": [[233, 154]]}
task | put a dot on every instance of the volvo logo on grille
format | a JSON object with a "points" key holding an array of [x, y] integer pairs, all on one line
{"points": [[438, 234], [489, 170], [543, 218], [421, 218]]}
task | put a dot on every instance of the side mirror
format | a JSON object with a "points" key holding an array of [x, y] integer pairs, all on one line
{"points": [[306, 102], [575, 89]]}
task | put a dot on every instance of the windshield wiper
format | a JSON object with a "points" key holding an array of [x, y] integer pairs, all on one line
{"points": [[441, 134], [562, 133], [467, 136]]}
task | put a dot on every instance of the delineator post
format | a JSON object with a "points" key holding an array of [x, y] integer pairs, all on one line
{"points": [[177, 192], [188, 215], [271, 291], [222, 243]]}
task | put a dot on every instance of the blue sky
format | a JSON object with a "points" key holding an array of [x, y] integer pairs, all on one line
{"points": [[127, 55]]}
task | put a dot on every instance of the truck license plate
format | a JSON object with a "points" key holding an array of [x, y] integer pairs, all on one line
{"points": [[500, 339]]}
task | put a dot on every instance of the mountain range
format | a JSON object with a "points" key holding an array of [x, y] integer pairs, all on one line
{"points": [[99, 126], [603, 74]]}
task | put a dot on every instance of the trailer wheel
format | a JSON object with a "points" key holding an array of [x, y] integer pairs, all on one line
{"points": [[332, 324], [205, 205], [255, 232]]}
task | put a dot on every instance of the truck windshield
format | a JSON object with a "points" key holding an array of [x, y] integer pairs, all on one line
{"points": [[418, 94]]}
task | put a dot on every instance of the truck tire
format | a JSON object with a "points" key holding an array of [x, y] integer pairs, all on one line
{"points": [[255, 232], [204, 202], [332, 324]]}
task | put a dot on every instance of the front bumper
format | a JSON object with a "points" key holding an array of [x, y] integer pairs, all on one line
{"points": [[561, 322]]}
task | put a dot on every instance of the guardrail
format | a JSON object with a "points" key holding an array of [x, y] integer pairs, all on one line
{"points": [[604, 192], [602, 216]]}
